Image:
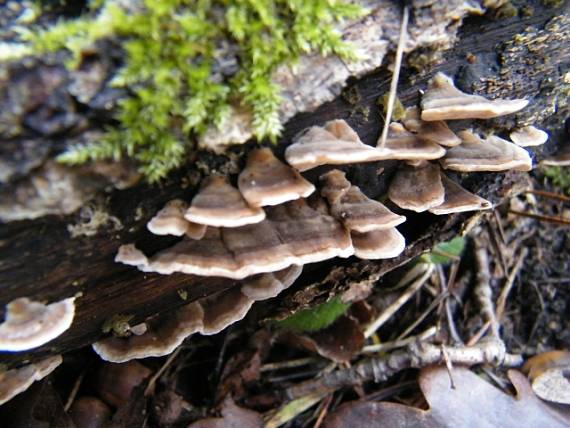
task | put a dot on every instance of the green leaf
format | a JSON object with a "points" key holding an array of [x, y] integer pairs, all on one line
{"points": [[315, 318], [445, 252]]}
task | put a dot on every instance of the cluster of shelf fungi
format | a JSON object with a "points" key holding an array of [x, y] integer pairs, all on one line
{"points": [[275, 221]]}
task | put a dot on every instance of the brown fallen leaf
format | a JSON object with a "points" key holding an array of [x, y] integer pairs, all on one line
{"points": [[233, 416], [549, 373], [473, 403]]}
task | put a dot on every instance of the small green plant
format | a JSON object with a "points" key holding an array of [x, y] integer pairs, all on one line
{"points": [[445, 252], [316, 318], [559, 176], [171, 66]]}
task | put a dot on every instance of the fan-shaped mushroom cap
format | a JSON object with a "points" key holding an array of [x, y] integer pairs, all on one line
{"points": [[529, 136], [417, 188], [492, 154], [436, 131], [130, 255], [561, 158], [164, 334], [170, 220], [223, 309], [378, 244], [219, 204], [403, 145], [268, 285], [30, 324], [353, 208], [16, 381], [458, 200], [335, 143], [268, 181], [293, 233], [443, 101]]}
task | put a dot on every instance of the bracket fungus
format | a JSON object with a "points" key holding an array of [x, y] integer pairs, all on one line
{"points": [[163, 335], [268, 181], [353, 208], [130, 255], [404, 145], [435, 131], [490, 154], [16, 381], [30, 324], [170, 221], [443, 101], [417, 188], [219, 204], [378, 244], [292, 233], [268, 285], [335, 143], [223, 309], [458, 200], [528, 136]]}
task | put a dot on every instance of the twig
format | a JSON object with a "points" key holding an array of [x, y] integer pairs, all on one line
{"points": [[500, 227], [477, 336], [289, 364], [502, 299], [397, 304], [451, 322], [547, 218], [416, 355], [323, 412], [549, 195], [395, 75], [388, 346], [483, 287], [73, 392], [152, 382], [425, 313]]}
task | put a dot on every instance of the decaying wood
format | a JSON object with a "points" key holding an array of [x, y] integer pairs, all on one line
{"points": [[53, 257]]}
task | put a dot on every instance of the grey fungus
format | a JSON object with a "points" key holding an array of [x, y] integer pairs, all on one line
{"points": [[353, 208], [129, 254], [490, 154], [443, 101], [435, 131], [163, 335], [268, 181], [404, 145], [219, 204], [458, 200], [223, 309], [269, 285], [417, 188], [378, 244], [170, 219], [528, 136], [335, 143], [16, 381], [30, 324]]}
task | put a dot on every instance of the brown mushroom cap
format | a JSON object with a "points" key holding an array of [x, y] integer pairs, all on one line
{"points": [[293, 233], [353, 208], [268, 285], [16, 381], [223, 309], [378, 244], [164, 334], [220, 204], [170, 220], [417, 188], [443, 101], [335, 143], [561, 158], [458, 200], [528, 136], [436, 131], [30, 324], [403, 145], [491, 154], [130, 255], [268, 181]]}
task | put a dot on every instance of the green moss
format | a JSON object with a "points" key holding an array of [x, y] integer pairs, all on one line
{"points": [[171, 68], [398, 112], [118, 324]]}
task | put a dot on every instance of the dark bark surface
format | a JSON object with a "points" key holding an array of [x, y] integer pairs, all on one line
{"points": [[39, 259]]}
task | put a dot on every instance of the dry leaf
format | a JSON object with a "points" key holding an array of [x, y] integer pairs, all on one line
{"points": [[473, 403]]}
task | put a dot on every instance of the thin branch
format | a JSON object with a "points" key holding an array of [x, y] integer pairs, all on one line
{"points": [[547, 218], [395, 75], [502, 299]]}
